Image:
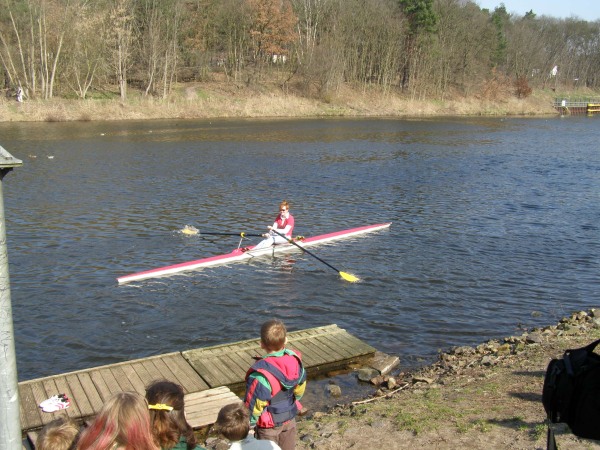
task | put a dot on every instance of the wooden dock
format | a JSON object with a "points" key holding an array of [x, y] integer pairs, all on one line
{"points": [[208, 376]]}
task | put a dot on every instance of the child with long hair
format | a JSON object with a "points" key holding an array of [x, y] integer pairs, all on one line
{"points": [[123, 423], [167, 417]]}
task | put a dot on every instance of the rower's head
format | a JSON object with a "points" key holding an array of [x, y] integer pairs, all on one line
{"points": [[273, 336], [284, 207]]}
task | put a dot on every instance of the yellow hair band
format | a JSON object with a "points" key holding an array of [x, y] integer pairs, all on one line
{"points": [[160, 407]]}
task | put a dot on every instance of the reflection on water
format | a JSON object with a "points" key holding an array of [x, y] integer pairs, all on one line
{"points": [[495, 224]]}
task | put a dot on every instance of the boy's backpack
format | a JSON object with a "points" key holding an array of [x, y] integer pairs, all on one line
{"points": [[571, 392]]}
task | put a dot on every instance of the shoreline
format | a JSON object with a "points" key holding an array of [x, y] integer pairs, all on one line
{"points": [[218, 100], [482, 397]]}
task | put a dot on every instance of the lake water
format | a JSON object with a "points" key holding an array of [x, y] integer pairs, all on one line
{"points": [[495, 229]]}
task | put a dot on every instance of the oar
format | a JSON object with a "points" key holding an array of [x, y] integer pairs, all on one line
{"points": [[344, 275], [193, 230]]}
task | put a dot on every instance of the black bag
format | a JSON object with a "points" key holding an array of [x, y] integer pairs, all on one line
{"points": [[571, 392]]}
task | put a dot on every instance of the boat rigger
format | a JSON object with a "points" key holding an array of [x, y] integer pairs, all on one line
{"points": [[246, 253]]}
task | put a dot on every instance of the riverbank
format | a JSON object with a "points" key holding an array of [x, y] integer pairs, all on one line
{"points": [[476, 398], [227, 100]]}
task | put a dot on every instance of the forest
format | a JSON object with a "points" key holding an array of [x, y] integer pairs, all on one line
{"points": [[420, 48]]}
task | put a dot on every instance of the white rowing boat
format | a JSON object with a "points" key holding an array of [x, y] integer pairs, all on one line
{"points": [[241, 254]]}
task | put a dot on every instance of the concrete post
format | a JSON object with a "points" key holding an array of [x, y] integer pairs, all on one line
{"points": [[10, 422]]}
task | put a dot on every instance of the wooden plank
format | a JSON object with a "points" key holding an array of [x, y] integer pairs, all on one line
{"points": [[79, 396], [30, 411], [50, 389], [345, 346], [143, 373], [206, 370], [125, 384], [246, 358], [111, 381], [62, 386], [230, 373], [202, 408], [327, 348], [154, 373], [355, 346], [39, 395], [242, 362], [31, 440], [165, 371], [90, 390], [134, 378], [337, 351], [189, 379], [309, 357], [312, 355], [102, 388]]}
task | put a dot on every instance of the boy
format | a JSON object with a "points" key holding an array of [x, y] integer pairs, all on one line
{"points": [[274, 384], [60, 434], [233, 422]]}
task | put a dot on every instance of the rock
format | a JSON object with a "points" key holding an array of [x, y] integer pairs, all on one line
{"points": [[366, 373], [503, 349], [376, 381], [334, 390], [318, 415], [487, 360], [418, 379], [462, 350], [391, 383], [307, 438], [534, 338], [519, 347], [384, 363]]}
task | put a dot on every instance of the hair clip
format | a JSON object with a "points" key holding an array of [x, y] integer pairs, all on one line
{"points": [[160, 407]]}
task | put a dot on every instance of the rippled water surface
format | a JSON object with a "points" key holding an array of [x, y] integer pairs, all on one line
{"points": [[495, 228]]}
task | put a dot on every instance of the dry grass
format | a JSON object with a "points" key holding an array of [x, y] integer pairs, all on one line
{"points": [[210, 100]]}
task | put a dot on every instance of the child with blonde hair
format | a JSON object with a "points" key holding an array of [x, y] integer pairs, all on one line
{"points": [[60, 434], [123, 423]]}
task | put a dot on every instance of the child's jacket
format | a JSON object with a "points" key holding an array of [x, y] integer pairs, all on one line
{"points": [[273, 386]]}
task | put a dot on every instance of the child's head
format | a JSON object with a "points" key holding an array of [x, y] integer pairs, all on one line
{"points": [[60, 434], [123, 421], [273, 335], [233, 421], [167, 416]]}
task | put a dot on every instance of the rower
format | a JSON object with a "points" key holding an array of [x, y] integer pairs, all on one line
{"points": [[284, 224]]}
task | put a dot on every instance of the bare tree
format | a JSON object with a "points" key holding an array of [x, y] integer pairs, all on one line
{"points": [[120, 37], [86, 55], [159, 22]]}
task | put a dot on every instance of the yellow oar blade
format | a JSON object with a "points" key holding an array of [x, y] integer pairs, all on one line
{"points": [[189, 230], [349, 277]]}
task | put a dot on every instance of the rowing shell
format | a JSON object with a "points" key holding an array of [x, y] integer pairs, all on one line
{"points": [[247, 253]]}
